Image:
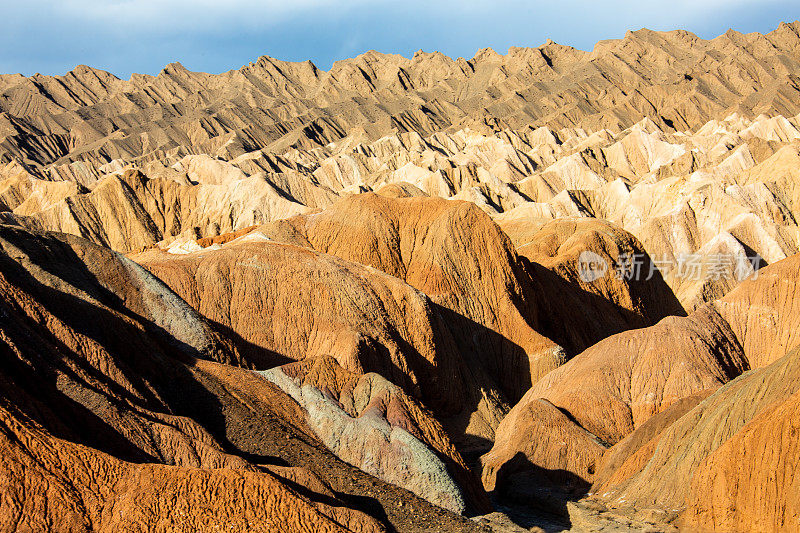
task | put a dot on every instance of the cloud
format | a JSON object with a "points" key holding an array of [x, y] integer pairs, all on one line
{"points": [[126, 36], [183, 15]]}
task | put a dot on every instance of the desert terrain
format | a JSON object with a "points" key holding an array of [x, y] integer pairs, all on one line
{"points": [[551, 290]]}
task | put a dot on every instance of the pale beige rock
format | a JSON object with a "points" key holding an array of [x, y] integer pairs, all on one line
{"points": [[371, 424], [662, 160], [345, 217]]}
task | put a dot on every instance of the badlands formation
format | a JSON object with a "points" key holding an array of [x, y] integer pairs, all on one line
{"points": [[548, 290]]}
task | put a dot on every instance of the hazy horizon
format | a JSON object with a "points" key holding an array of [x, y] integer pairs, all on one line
{"points": [[127, 36]]}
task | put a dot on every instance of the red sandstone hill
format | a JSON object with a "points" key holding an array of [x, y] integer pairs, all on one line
{"points": [[640, 428], [120, 404], [354, 300]]}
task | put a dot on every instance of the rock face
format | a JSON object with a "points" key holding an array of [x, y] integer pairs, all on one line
{"points": [[455, 254], [359, 300], [686, 164], [371, 424], [620, 382], [120, 410], [638, 384], [53, 484], [609, 390], [540, 430], [86, 118], [580, 307], [726, 190], [764, 313], [130, 211], [425, 292], [286, 303], [727, 489], [634, 447], [720, 484]]}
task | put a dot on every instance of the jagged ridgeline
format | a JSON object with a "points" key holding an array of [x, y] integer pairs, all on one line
{"points": [[675, 79], [284, 299]]}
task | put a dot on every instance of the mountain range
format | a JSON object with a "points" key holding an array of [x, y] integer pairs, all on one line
{"points": [[284, 299]]}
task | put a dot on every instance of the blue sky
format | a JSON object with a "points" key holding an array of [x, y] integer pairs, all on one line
{"points": [[125, 36]]}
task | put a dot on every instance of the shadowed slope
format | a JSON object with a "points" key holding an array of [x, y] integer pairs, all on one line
{"points": [[674, 78], [618, 386], [118, 424]]}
